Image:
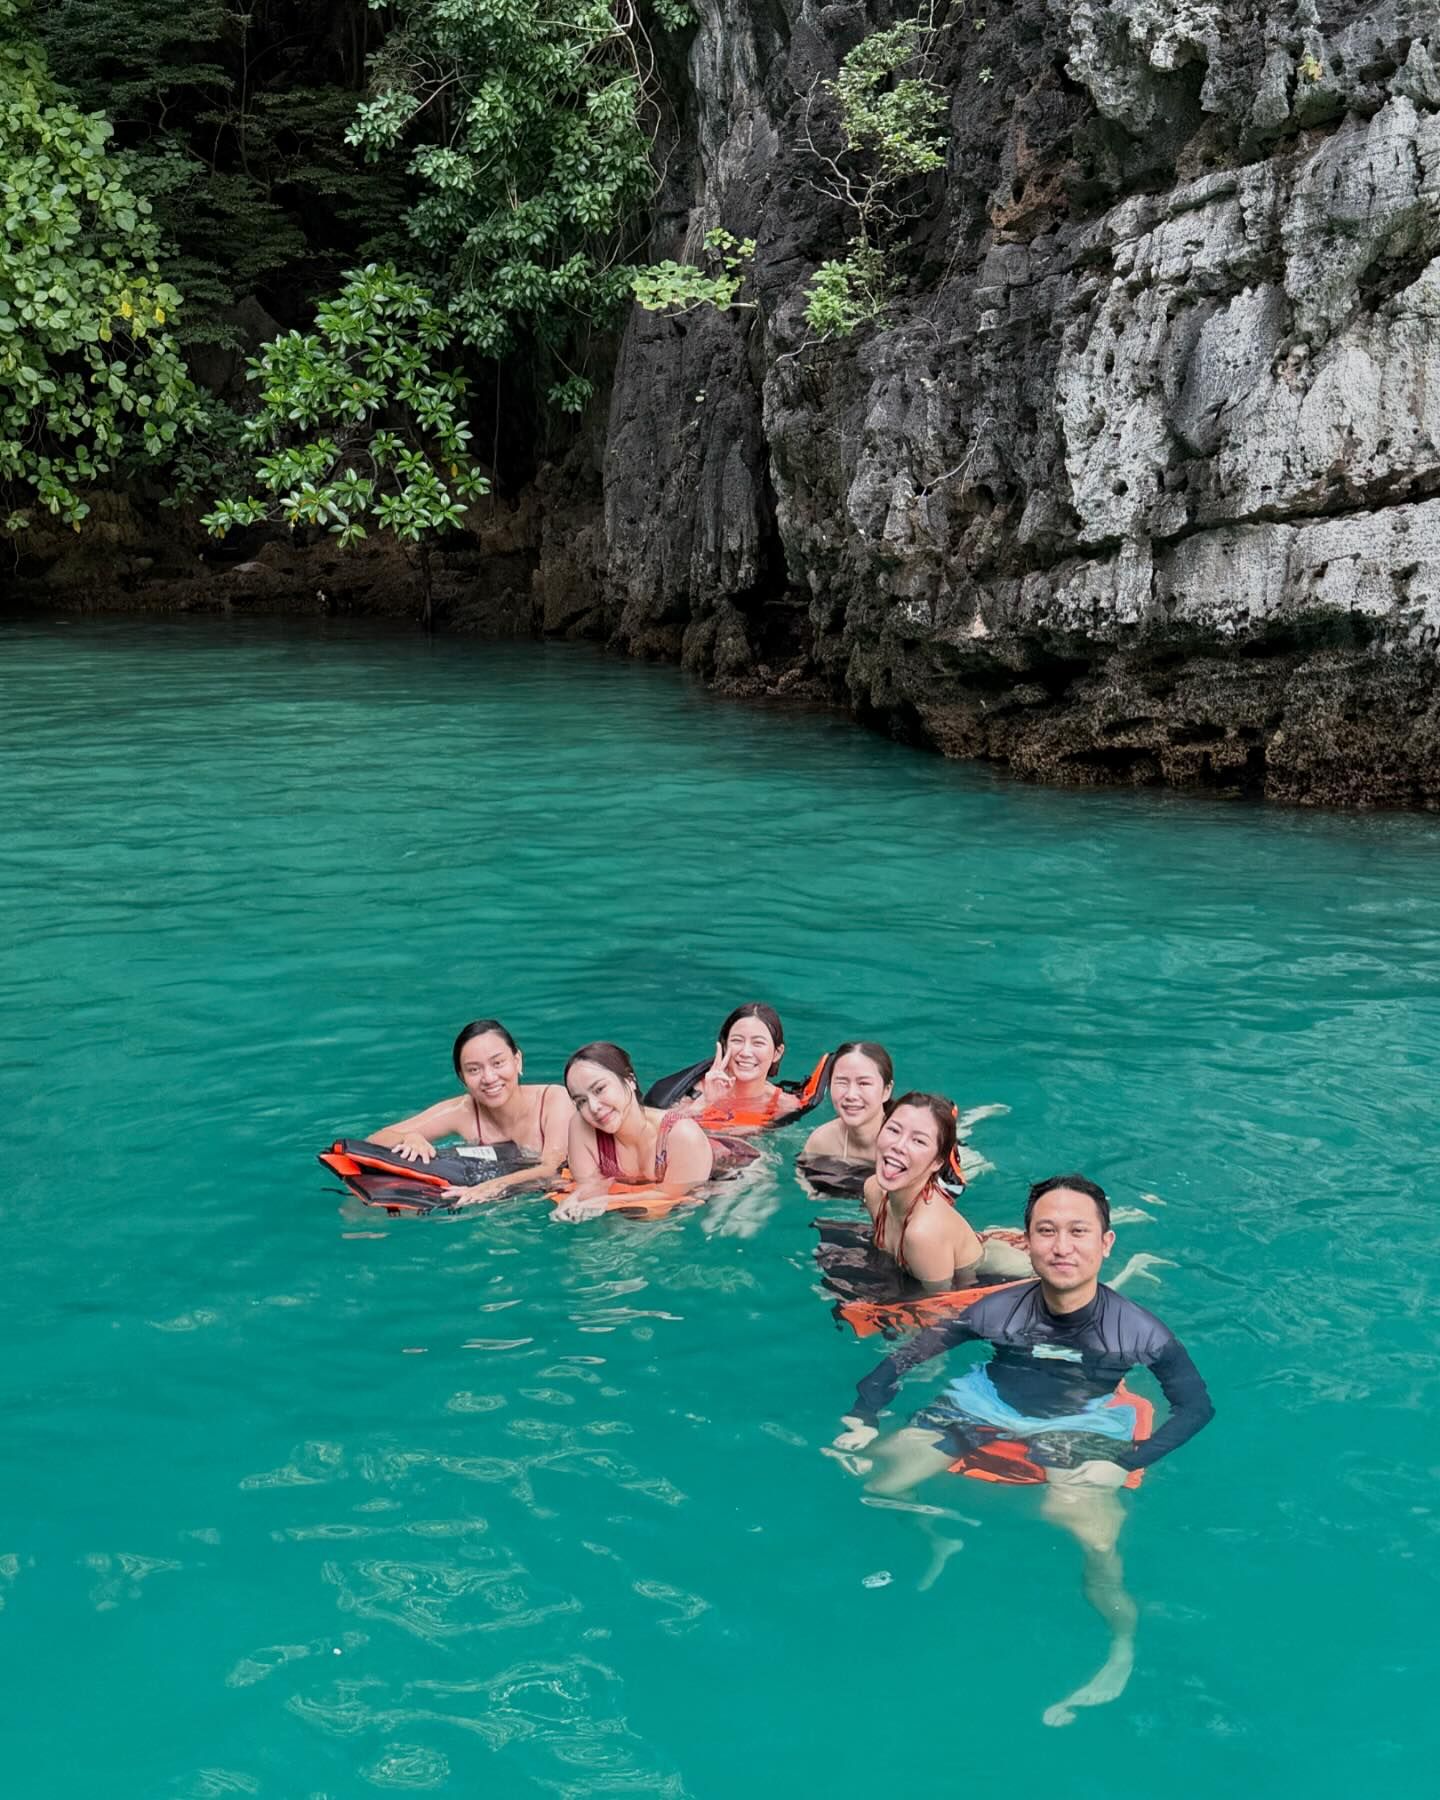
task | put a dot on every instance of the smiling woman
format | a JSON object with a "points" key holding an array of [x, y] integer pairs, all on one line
{"points": [[738, 1092], [614, 1136], [914, 1219], [497, 1107], [839, 1155]]}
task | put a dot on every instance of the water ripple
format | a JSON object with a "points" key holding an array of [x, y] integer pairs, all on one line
{"points": [[554, 1496]]}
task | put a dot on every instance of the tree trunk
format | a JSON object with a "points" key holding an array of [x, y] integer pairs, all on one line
{"points": [[422, 557]]}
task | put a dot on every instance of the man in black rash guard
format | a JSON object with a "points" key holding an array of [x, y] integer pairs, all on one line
{"points": [[1062, 1346]]}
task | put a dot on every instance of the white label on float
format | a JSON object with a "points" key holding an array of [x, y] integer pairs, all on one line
{"points": [[477, 1152]]}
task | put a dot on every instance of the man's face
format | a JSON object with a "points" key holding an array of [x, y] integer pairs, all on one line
{"points": [[1065, 1242]]}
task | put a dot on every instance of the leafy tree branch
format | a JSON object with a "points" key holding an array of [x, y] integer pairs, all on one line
{"points": [[360, 428], [90, 377]]}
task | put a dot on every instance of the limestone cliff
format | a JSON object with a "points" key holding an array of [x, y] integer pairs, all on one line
{"points": [[1140, 479], [1137, 480]]}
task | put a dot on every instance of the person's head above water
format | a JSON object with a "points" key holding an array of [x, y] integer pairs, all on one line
{"points": [[1075, 1184], [601, 1082], [752, 1039], [487, 1059], [1068, 1235], [915, 1142], [861, 1079]]}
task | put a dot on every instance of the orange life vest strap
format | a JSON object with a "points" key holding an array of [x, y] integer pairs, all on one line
{"points": [[866, 1317]]}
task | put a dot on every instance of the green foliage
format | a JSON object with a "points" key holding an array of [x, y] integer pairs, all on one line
{"points": [[845, 294], [90, 376], [126, 57], [665, 284], [895, 118], [237, 138], [532, 161], [359, 427], [674, 15], [890, 116], [216, 455], [572, 395]]}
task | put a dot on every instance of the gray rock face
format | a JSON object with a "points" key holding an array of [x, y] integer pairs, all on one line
{"points": [[1137, 478], [1134, 480]]}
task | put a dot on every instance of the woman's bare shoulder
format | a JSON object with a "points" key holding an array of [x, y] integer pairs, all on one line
{"points": [[930, 1225], [825, 1140], [961, 1231]]}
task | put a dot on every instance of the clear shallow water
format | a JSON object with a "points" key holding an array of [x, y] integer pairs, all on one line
{"points": [[554, 1495]]}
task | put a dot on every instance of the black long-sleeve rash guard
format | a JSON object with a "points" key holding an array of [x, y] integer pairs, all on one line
{"points": [[1047, 1365]]}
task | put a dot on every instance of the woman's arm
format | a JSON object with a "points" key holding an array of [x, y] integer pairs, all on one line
{"points": [[415, 1137], [713, 1089], [821, 1140], [1002, 1259], [933, 1265], [689, 1160], [591, 1192], [933, 1258], [557, 1111], [689, 1156], [966, 1250]]}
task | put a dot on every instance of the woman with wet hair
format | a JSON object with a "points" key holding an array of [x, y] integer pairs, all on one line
{"points": [[839, 1156], [914, 1220], [497, 1107], [614, 1136], [738, 1091]]}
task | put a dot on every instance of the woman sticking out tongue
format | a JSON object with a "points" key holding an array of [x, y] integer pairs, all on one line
{"points": [[914, 1220]]}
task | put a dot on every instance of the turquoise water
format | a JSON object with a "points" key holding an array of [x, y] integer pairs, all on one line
{"points": [[301, 1501]]}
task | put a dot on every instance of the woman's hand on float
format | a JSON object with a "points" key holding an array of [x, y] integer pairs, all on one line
{"points": [[414, 1148], [470, 1196], [857, 1436], [575, 1211]]}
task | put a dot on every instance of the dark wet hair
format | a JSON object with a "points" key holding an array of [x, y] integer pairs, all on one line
{"points": [[478, 1028], [1080, 1185], [875, 1053], [943, 1113], [609, 1056], [768, 1017]]}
